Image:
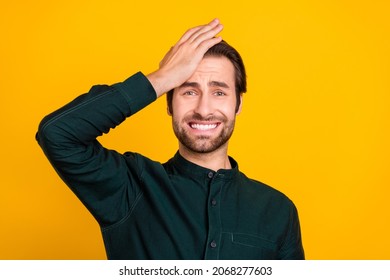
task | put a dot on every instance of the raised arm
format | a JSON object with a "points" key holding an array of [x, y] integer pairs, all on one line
{"points": [[101, 178], [98, 176]]}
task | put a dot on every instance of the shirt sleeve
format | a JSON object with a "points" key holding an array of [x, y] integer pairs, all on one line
{"points": [[101, 178], [292, 248]]}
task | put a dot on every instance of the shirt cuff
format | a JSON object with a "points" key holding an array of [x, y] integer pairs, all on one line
{"points": [[138, 92]]}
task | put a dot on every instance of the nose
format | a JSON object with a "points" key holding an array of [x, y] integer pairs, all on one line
{"points": [[204, 106]]}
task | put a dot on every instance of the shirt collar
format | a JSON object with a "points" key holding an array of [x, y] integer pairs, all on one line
{"points": [[193, 169]]}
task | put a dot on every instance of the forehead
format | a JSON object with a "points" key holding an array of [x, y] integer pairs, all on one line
{"points": [[214, 68]]}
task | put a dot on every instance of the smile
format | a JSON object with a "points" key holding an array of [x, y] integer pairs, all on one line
{"points": [[199, 126]]}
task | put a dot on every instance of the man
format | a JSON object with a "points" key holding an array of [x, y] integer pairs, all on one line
{"points": [[198, 205]]}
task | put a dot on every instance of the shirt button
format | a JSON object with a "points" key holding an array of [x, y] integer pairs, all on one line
{"points": [[213, 244], [210, 175], [213, 202]]}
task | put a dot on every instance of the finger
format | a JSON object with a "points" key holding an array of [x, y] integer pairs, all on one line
{"points": [[205, 30], [207, 35], [205, 45], [188, 34], [193, 31]]}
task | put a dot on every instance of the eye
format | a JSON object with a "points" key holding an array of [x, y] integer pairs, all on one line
{"points": [[219, 93], [189, 93]]}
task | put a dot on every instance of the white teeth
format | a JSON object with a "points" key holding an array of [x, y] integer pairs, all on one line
{"points": [[203, 126]]}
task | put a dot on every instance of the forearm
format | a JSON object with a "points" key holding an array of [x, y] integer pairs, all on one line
{"points": [[99, 177], [96, 112]]}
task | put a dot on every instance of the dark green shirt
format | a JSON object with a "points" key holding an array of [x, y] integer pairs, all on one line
{"points": [[175, 210]]}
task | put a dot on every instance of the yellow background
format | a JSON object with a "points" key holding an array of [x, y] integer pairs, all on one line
{"points": [[315, 121]]}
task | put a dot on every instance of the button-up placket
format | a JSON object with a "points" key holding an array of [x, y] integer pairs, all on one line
{"points": [[213, 213]]}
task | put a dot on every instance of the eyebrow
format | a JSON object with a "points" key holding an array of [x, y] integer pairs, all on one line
{"points": [[211, 84]]}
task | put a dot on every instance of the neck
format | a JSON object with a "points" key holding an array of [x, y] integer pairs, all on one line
{"points": [[214, 160]]}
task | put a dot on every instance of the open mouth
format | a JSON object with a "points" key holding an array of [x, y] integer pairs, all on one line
{"points": [[203, 127]]}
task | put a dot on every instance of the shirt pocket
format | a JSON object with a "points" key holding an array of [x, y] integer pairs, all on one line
{"points": [[246, 246]]}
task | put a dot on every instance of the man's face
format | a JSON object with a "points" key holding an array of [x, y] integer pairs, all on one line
{"points": [[203, 108]]}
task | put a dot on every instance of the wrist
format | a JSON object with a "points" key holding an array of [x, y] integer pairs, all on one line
{"points": [[160, 82]]}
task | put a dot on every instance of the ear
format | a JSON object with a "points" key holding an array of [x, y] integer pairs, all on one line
{"points": [[240, 107], [169, 111]]}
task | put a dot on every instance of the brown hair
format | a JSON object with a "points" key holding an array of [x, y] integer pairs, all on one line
{"points": [[218, 50]]}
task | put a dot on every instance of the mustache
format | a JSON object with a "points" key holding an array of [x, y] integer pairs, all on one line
{"points": [[210, 118]]}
